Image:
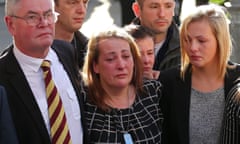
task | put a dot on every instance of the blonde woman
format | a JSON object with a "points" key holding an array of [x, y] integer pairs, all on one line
{"points": [[194, 96]]}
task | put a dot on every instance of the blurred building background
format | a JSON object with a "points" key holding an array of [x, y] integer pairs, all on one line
{"points": [[5, 37], [234, 10]]}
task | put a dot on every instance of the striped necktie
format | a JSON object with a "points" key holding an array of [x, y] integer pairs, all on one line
{"points": [[58, 122]]}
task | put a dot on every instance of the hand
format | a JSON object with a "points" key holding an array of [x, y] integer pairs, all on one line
{"points": [[155, 74]]}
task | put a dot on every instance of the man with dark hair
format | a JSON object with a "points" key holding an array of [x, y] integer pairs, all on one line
{"points": [[157, 15], [70, 19]]}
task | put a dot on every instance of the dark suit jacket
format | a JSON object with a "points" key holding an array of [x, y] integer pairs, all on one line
{"points": [[26, 114], [79, 43], [176, 102], [7, 129], [169, 54]]}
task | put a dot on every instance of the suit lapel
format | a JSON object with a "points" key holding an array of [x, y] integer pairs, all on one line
{"points": [[182, 103], [24, 93]]}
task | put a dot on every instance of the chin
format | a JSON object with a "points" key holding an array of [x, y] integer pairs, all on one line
{"points": [[198, 65], [47, 43], [76, 27], [121, 84]]}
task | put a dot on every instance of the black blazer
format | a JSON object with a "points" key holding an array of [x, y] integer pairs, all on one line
{"points": [[176, 102], [7, 130], [29, 123]]}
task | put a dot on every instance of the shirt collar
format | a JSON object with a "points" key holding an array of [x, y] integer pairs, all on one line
{"points": [[31, 63]]}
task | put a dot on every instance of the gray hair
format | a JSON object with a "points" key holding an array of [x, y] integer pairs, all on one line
{"points": [[10, 6]]}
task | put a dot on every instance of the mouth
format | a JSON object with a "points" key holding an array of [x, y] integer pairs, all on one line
{"points": [[44, 34], [161, 22], [79, 20], [121, 75], [147, 69], [195, 57]]}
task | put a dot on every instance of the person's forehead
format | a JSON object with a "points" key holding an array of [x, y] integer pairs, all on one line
{"points": [[159, 1], [34, 6], [111, 40], [71, 0]]}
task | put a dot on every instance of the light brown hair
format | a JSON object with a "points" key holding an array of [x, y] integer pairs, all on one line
{"points": [[97, 94]]}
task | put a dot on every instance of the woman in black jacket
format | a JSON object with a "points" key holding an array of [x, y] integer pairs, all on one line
{"points": [[195, 96]]}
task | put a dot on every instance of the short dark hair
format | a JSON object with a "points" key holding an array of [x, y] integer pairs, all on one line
{"points": [[139, 31], [140, 2]]}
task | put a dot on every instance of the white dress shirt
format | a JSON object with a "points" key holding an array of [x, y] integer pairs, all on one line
{"points": [[33, 72]]}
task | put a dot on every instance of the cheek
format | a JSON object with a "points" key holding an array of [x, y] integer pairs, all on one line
{"points": [[105, 69], [171, 13], [25, 34], [152, 59], [147, 16], [212, 54], [187, 49], [130, 64]]}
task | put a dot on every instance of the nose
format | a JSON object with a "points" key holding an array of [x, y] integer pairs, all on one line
{"points": [[161, 12], [43, 21], [120, 63], [193, 46], [145, 59], [81, 7]]}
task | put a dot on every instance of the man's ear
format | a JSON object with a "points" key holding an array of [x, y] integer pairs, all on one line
{"points": [[10, 25], [136, 9]]}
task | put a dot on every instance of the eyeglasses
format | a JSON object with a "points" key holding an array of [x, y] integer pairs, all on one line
{"points": [[35, 19]]}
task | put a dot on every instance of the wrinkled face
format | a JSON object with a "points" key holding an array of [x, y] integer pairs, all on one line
{"points": [[115, 63], [201, 46], [157, 14], [72, 14], [31, 39], [146, 46]]}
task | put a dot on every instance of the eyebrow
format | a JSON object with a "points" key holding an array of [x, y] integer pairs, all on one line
{"points": [[33, 12]]}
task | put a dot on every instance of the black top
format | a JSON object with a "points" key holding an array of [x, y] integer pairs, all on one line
{"points": [[175, 104]]}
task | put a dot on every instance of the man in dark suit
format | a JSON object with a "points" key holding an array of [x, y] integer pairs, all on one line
{"points": [[7, 129], [70, 19], [31, 23]]}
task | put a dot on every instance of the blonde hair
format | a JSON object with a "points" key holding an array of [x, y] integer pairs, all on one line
{"points": [[96, 92], [217, 20]]}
